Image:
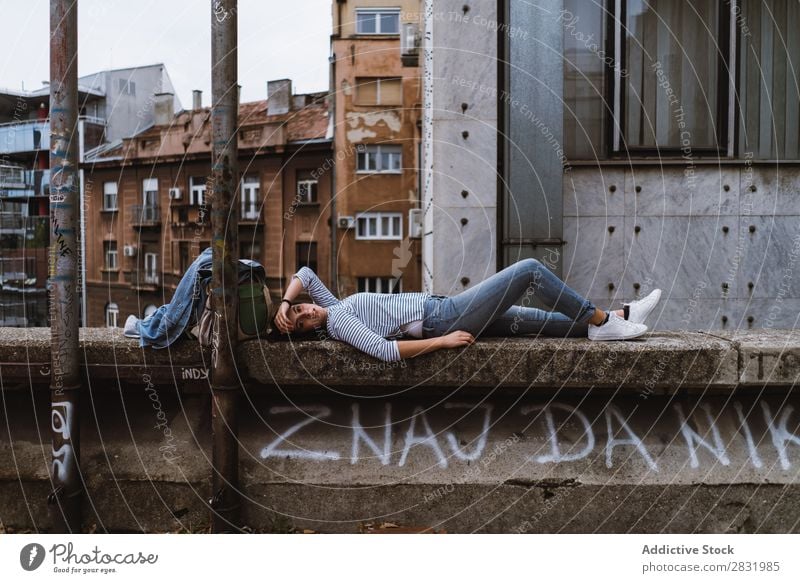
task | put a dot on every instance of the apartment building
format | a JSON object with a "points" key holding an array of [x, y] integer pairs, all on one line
{"points": [[148, 217], [626, 144], [113, 104], [375, 78]]}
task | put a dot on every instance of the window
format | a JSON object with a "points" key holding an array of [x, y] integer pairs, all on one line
{"points": [[379, 226], [126, 86], [769, 95], [381, 285], [307, 255], [112, 315], [150, 192], [184, 259], [250, 204], [671, 95], [585, 107], [110, 253], [109, 196], [306, 188], [378, 21], [250, 250], [379, 159], [379, 91], [659, 77], [197, 190], [151, 268]]}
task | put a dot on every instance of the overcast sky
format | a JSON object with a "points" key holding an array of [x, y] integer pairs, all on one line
{"points": [[277, 39]]}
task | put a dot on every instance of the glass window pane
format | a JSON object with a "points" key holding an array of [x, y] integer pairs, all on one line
{"points": [[372, 160], [385, 226], [396, 227], [366, 23], [672, 71], [585, 66], [373, 227], [366, 91], [390, 23]]}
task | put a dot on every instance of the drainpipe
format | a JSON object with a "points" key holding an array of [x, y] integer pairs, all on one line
{"points": [[428, 281], [225, 502], [334, 222], [65, 375]]}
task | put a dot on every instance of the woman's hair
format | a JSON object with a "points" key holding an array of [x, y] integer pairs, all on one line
{"points": [[278, 335]]}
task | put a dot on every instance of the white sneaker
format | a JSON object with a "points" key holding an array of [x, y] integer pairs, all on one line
{"points": [[640, 309], [616, 328]]}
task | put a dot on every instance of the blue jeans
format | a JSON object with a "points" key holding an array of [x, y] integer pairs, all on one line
{"points": [[488, 309]]}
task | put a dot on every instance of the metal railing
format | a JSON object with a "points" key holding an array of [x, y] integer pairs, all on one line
{"points": [[31, 135], [17, 221], [145, 215], [143, 278], [17, 269], [18, 182]]}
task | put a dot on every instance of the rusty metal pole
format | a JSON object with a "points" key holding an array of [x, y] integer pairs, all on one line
{"points": [[225, 500], [65, 376]]}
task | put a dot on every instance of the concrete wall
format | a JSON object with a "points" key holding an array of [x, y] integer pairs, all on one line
{"points": [[723, 243], [679, 432], [462, 195], [128, 114]]}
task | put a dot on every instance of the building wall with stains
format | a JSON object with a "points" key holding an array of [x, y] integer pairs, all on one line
{"points": [[360, 60], [279, 229]]}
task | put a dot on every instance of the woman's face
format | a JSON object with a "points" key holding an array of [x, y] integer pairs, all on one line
{"points": [[306, 317]]}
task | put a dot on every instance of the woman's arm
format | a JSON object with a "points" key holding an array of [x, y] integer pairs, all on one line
{"points": [[309, 281], [412, 348]]}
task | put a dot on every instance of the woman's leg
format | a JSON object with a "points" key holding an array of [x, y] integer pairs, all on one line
{"points": [[476, 309], [522, 321]]}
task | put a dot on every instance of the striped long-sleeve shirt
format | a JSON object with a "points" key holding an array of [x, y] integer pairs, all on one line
{"points": [[369, 321]]}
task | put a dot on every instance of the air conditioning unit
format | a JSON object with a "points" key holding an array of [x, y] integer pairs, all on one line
{"points": [[129, 251], [175, 193], [410, 44], [346, 222], [415, 223]]}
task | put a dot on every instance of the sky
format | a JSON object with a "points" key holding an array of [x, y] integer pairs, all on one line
{"points": [[277, 39]]}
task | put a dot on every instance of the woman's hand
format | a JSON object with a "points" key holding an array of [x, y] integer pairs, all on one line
{"points": [[282, 318], [412, 348], [457, 339]]}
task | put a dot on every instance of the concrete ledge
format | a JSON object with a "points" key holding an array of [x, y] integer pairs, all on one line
{"points": [[660, 363], [585, 464]]}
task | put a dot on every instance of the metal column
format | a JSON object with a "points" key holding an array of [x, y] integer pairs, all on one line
{"points": [[65, 377], [533, 114], [225, 500]]}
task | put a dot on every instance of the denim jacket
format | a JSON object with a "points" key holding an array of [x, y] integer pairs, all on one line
{"points": [[170, 321]]}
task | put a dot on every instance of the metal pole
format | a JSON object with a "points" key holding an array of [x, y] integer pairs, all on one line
{"points": [[225, 501], [65, 378]]}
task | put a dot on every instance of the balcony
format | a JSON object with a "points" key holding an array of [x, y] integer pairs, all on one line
{"points": [[34, 135], [145, 280], [16, 182], [17, 272], [19, 223], [24, 136], [143, 216]]}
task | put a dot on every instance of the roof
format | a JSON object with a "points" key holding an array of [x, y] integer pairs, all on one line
{"points": [[308, 123]]}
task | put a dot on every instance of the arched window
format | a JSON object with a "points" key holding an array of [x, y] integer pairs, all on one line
{"points": [[112, 315]]}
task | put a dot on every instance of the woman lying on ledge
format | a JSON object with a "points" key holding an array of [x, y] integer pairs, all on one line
{"points": [[380, 324]]}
